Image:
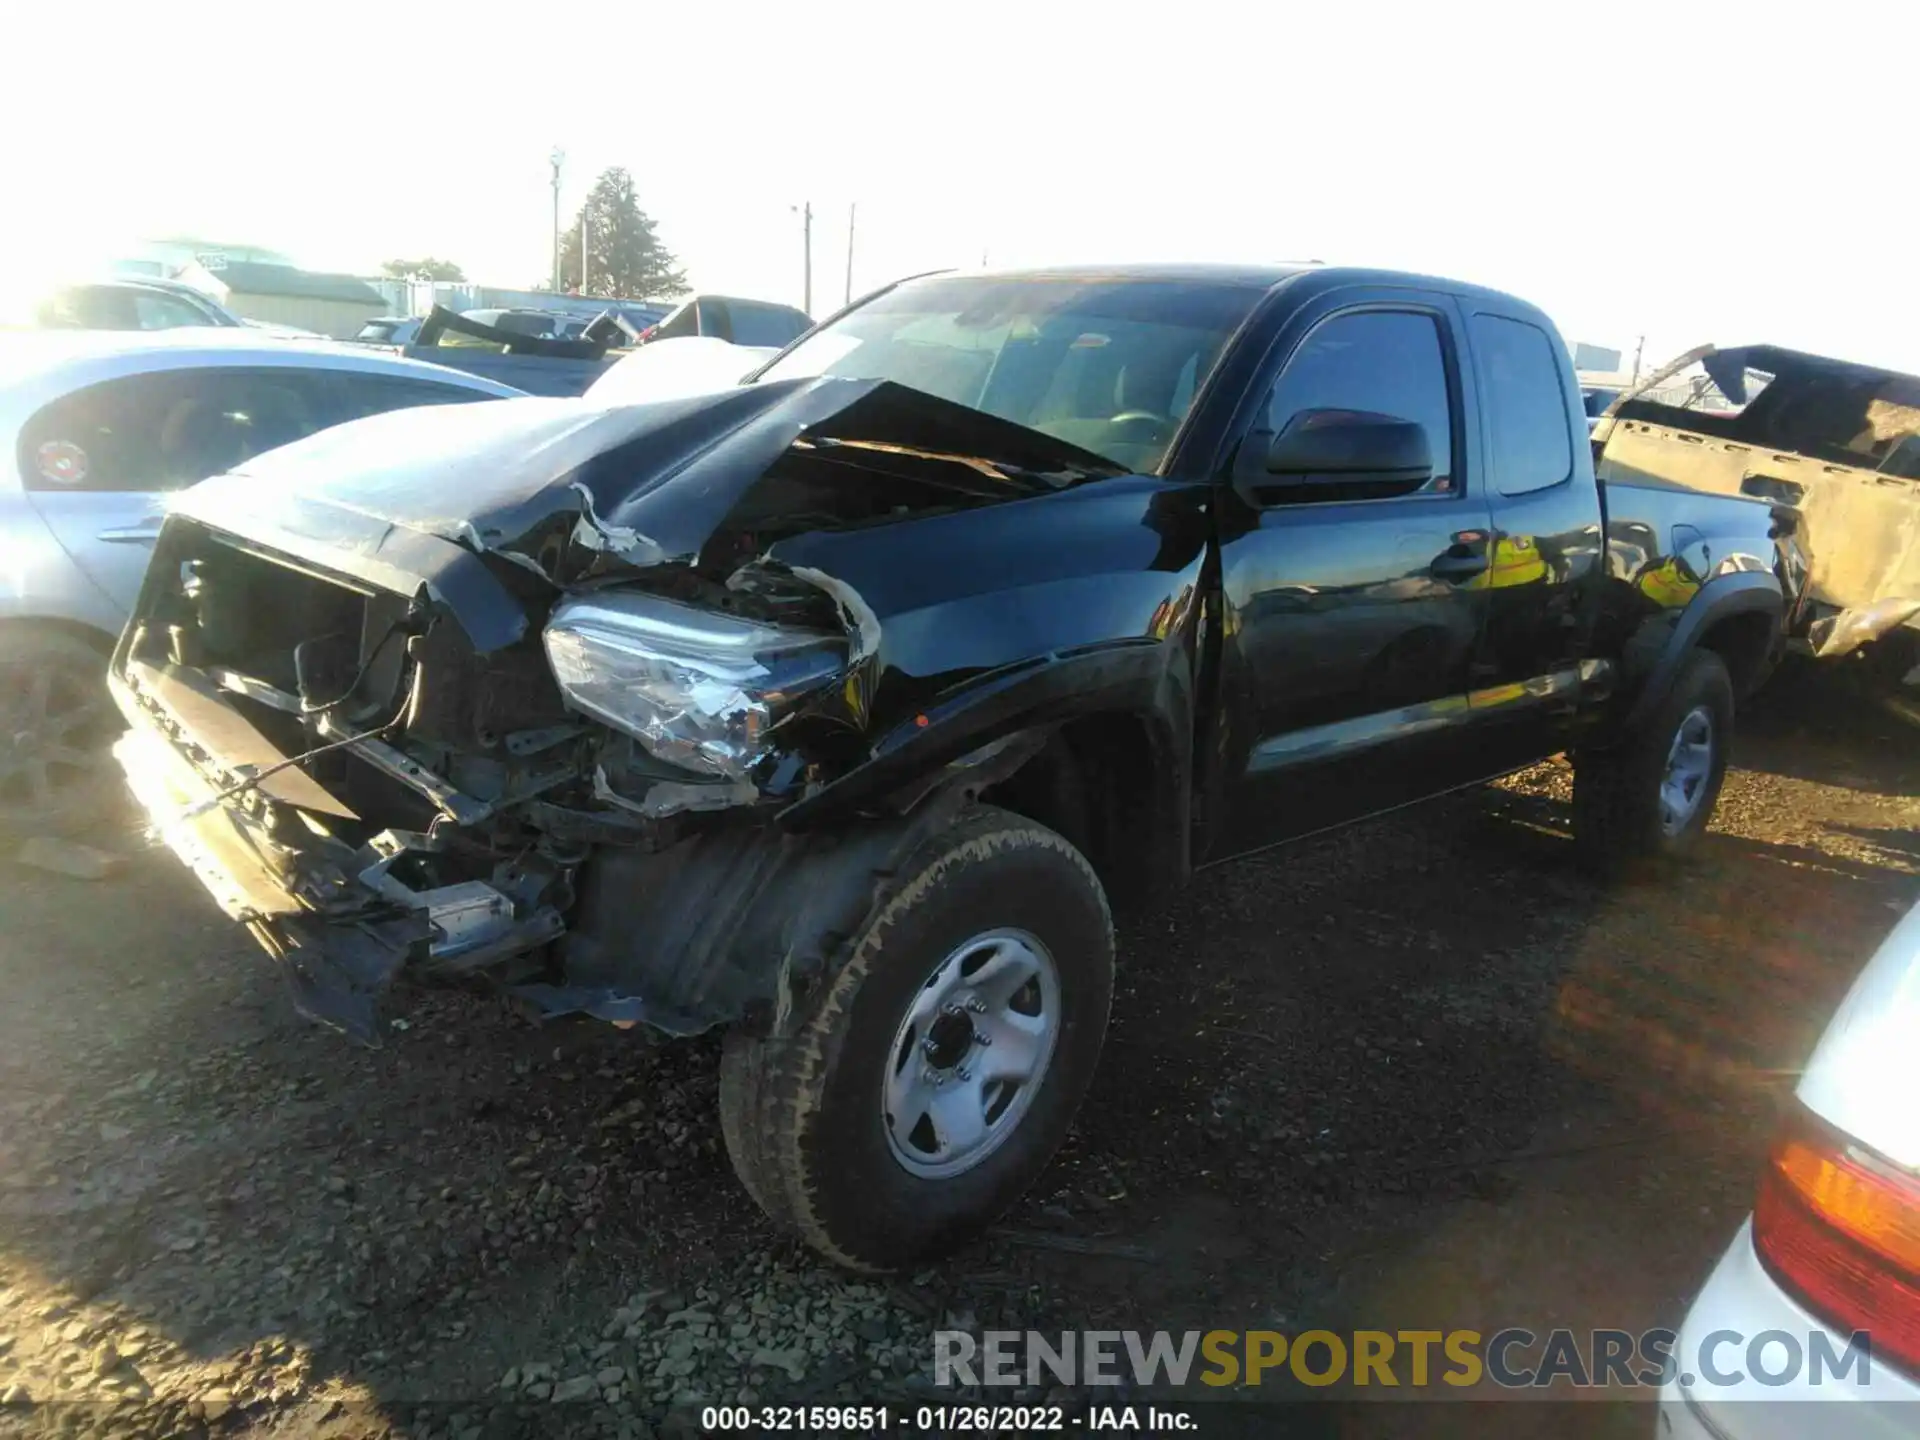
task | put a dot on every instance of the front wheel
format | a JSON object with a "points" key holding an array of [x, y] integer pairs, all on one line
{"points": [[57, 727], [1650, 799], [938, 1071]]}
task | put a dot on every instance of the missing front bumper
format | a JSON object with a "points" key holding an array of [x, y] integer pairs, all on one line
{"points": [[340, 923], [337, 967]]}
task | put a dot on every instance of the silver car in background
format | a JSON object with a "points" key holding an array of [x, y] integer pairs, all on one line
{"points": [[98, 427]]}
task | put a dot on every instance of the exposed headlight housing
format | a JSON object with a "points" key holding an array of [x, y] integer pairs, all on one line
{"points": [[698, 688]]}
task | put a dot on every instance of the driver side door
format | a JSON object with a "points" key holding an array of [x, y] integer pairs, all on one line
{"points": [[1351, 613]]}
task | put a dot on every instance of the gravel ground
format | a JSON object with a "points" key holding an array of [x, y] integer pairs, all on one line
{"points": [[1418, 1072]]}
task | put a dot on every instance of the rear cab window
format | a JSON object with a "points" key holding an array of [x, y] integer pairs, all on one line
{"points": [[525, 324], [1524, 401]]}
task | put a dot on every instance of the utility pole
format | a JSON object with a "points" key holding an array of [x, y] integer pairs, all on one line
{"points": [[584, 209], [805, 211], [558, 158], [852, 206], [1638, 347]]}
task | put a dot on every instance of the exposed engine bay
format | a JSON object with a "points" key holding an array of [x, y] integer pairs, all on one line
{"points": [[391, 709]]}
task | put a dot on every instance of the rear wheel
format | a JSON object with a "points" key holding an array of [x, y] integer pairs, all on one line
{"points": [[57, 726], [1650, 799], [935, 1075]]}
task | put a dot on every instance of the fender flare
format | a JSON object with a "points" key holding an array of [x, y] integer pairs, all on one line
{"points": [[1741, 593]]}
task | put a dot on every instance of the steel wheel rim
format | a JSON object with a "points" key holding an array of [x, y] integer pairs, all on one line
{"points": [[1683, 784], [970, 1054], [50, 741]]}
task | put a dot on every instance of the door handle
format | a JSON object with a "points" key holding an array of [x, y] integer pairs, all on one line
{"points": [[144, 532], [1459, 567]]}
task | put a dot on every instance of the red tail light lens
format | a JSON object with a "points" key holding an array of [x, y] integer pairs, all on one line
{"points": [[1839, 1227]]}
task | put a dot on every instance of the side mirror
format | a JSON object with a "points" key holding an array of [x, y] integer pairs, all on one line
{"points": [[1334, 449]]}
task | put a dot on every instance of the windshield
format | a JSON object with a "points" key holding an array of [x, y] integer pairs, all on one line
{"points": [[1110, 365]]}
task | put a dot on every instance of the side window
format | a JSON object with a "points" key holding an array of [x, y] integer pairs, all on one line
{"points": [[716, 319], [165, 312], [1376, 362], [369, 394], [1532, 446], [90, 307], [687, 322], [166, 431]]}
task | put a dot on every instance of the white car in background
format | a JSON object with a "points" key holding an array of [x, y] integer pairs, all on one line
{"points": [[1833, 1245], [96, 427]]}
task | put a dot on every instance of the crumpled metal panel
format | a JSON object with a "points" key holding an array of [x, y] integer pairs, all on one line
{"points": [[1842, 633], [1858, 521]]}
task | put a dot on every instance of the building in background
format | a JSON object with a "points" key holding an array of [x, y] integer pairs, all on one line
{"points": [[336, 305], [167, 257], [1595, 358]]}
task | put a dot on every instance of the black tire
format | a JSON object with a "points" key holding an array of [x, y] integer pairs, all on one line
{"points": [[57, 728], [804, 1116], [1619, 826]]}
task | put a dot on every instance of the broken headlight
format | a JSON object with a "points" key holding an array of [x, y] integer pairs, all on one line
{"points": [[698, 688]]}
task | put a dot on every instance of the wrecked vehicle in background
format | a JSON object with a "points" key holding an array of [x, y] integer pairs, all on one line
{"points": [[830, 708], [537, 352], [1837, 444]]}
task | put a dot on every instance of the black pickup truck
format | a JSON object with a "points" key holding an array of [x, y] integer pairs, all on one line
{"points": [[831, 709]]}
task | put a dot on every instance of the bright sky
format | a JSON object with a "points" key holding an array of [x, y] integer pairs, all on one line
{"points": [[1689, 172]]}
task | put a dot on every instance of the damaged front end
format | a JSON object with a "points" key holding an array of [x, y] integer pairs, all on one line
{"points": [[282, 744], [517, 692]]}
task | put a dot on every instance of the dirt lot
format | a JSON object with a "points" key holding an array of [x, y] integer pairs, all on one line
{"points": [[1418, 1074]]}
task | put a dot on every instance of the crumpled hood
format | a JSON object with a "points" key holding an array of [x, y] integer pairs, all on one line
{"points": [[534, 479]]}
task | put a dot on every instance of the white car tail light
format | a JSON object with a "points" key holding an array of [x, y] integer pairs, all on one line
{"points": [[1839, 1227]]}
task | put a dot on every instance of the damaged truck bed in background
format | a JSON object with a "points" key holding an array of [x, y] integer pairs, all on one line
{"points": [[1836, 443]]}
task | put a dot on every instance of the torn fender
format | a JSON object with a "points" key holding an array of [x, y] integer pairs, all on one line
{"points": [[999, 619]]}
